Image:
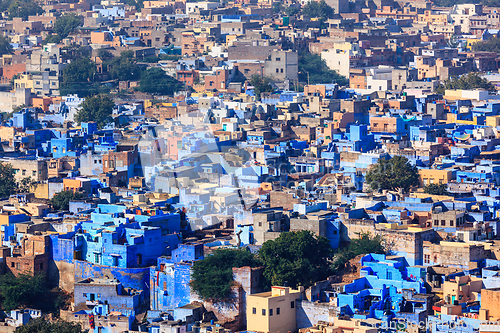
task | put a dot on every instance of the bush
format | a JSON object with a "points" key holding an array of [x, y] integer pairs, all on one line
{"points": [[29, 291], [436, 189], [366, 243], [212, 277], [394, 174], [41, 325], [61, 200], [297, 258]]}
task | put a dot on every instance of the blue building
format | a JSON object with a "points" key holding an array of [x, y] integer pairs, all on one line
{"points": [[169, 279]]}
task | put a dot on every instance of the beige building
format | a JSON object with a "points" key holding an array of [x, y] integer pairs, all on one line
{"points": [[24, 168], [462, 289], [273, 311], [434, 176]]}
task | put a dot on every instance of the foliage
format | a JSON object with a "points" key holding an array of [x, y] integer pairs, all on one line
{"points": [[24, 186], [212, 277], [56, 39], [124, 67], [40, 325], [436, 189], [491, 45], [104, 55], [156, 81], [277, 7], [297, 258], [364, 244], [317, 9], [394, 174], [96, 108], [5, 47], [75, 52], [292, 10], [23, 291], [24, 9], [318, 70], [15, 77], [261, 84], [60, 201], [78, 78], [7, 180], [67, 24], [471, 80]]}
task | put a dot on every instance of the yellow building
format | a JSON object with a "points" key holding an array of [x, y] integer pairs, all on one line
{"points": [[472, 42], [433, 176], [25, 81], [273, 311], [493, 121]]}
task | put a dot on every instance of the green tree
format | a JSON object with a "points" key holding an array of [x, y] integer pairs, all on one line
{"points": [[212, 277], [292, 10], [471, 80], [78, 78], [104, 55], [66, 24], [124, 67], [491, 45], [60, 201], [23, 291], [156, 81], [24, 9], [41, 325], [317, 9], [98, 108], [364, 244], [261, 84], [5, 47], [394, 174], [297, 258], [278, 7], [74, 52], [24, 186], [56, 39], [436, 189], [313, 69], [7, 180]]}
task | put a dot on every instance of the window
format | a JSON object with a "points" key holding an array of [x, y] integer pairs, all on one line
{"points": [[436, 222], [443, 222], [24, 172], [12, 264], [278, 59], [33, 173], [254, 311], [41, 265], [292, 304], [451, 223], [270, 312], [427, 259], [278, 311], [277, 70], [282, 70], [263, 312]]}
